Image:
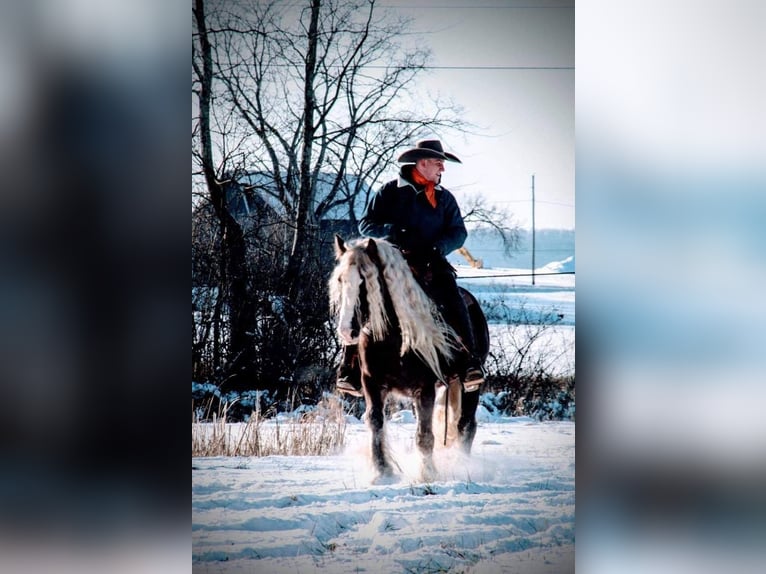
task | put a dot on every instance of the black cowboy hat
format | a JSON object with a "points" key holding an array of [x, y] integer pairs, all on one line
{"points": [[427, 149]]}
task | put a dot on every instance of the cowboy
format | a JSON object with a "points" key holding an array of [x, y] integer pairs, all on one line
{"points": [[422, 218]]}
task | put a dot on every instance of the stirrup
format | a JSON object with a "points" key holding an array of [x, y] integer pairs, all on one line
{"points": [[474, 378], [344, 386]]}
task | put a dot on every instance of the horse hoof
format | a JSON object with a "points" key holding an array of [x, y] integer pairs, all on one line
{"points": [[385, 479], [428, 473]]}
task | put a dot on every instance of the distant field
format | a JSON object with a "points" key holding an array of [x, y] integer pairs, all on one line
{"points": [[550, 245]]}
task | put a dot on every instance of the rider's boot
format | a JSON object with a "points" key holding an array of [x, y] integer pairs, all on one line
{"points": [[473, 374], [473, 377], [349, 376]]}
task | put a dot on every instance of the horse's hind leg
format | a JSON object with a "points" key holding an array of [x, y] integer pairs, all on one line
{"points": [[424, 409], [466, 426], [375, 420]]}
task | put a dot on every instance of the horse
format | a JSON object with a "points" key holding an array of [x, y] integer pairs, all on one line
{"points": [[404, 346]]}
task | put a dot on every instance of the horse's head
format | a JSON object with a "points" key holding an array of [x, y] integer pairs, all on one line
{"points": [[373, 287], [355, 276]]}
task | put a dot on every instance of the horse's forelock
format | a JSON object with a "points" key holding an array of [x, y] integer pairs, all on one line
{"points": [[355, 263]]}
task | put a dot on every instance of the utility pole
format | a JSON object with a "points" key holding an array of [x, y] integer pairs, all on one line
{"points": [[533, 229]]}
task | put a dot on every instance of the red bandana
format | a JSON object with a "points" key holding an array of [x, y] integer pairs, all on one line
{"points": [[430, 193]]}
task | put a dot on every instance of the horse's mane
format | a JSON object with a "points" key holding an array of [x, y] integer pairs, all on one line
{"points": [[423, 330]]}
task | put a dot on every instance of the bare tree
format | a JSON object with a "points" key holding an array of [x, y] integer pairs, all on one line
{"points": [[323, 88], [232, 264], [482, 215], [314, 97]]}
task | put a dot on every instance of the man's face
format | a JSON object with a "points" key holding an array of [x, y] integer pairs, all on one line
{"points": [[431, 169]]}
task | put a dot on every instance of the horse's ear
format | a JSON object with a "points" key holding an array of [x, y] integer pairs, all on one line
{"points": [[340, 246], [372, 249]]}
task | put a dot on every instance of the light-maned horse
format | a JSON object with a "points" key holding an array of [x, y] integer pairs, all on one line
{"points": [[404, 346]]}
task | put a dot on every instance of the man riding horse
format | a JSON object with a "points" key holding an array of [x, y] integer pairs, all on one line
{"points": [[422, 218]]}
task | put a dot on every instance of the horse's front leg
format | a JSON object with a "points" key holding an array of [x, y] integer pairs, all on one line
{"points": [[424, 409], [375, 398], [466, 426]]}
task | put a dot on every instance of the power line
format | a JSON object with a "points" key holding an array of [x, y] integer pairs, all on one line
{"points": [[489, 68], [555, 202], [420, 6], [521, 250], [434, 67], [538, 201], [494, 67], [380, 67], [514, 275], [475, 7]]}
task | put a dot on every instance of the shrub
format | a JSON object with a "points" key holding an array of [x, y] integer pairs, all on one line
{"points": [[315, 431]]}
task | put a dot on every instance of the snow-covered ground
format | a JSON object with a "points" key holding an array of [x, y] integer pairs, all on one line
{"points": [[509, 507], [517, 297], [510, 299]]}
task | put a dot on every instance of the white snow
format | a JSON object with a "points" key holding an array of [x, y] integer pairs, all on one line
{"points": [[553, 291], [508, 507]]}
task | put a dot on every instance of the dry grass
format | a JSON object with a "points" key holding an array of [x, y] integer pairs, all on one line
{"points": [[319, 432]]}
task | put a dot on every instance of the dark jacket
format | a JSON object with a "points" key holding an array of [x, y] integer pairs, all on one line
{"points": [[399, 212]]}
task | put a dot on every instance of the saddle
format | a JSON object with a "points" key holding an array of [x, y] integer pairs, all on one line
{"points": [[478, 322]]}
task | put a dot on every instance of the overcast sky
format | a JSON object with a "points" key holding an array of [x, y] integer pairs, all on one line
{"points": [[526, 115]]}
